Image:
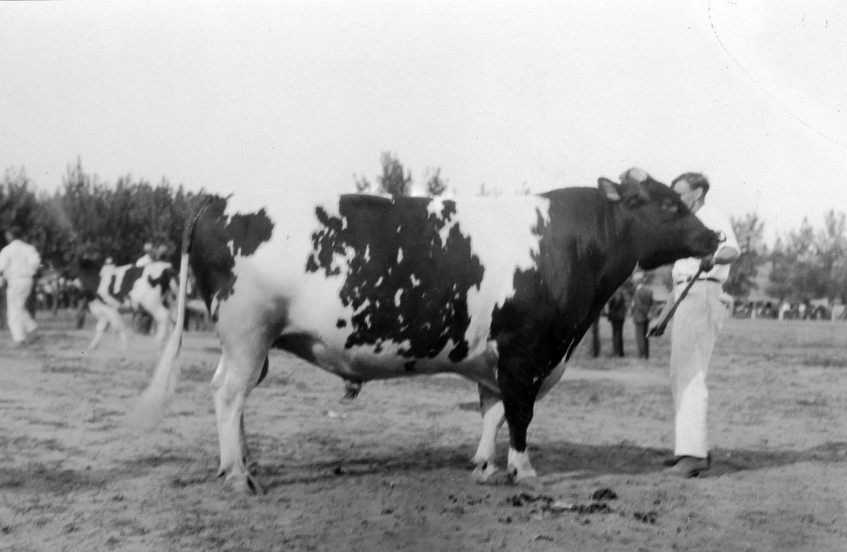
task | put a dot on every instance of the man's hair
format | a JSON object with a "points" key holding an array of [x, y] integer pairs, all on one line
{"points": [[695, 181], [14, 231]]}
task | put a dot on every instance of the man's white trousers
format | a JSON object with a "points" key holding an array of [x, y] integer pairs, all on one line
{"points": [[696, 325], [20, 322]]}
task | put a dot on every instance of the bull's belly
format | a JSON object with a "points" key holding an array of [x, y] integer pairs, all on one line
{"points": [[386, 361]]}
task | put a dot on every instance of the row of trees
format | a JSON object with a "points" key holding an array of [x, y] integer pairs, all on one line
{"points": [[89, 218], [396, 180], [807, 263]]}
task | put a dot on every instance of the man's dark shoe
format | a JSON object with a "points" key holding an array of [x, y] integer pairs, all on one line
{"points": [[670, 461], [689, 466]]}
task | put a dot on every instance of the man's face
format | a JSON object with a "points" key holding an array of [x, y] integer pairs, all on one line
{"points": [[686, 193]]}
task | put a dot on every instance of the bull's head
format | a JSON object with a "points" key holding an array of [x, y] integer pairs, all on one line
{"points": [[660, 228]]}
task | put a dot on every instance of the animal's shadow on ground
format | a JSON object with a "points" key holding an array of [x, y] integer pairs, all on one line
{"points": [[594, 460], [552, 460], [562, 460]]}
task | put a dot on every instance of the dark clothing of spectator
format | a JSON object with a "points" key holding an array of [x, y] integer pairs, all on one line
{"points": [[642, 303], [595, 337], [616, 314]]}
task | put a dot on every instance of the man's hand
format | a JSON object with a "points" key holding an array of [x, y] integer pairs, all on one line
{"points": [[707, 263]]}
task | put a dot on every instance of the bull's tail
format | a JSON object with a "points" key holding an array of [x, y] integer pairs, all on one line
{"points": [[161, 389]]}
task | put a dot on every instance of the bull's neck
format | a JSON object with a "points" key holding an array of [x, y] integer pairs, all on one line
{"points": [[621, 255]]}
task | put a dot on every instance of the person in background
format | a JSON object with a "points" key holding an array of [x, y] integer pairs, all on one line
{"points": [[19, 262], [595, 337], [696, 324], [142, 321], [107, 268], [617, 307], [784, 309], [161, 253], [147, 258], [642, 303]]}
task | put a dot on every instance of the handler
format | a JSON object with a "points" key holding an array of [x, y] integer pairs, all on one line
{"points": [[696, 324], [18, 263]]}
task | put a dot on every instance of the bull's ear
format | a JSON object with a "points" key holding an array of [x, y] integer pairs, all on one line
{"points": [[611, 190]]}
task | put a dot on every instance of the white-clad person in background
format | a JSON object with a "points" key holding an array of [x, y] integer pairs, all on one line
{"points": [[19, 262], [696, 324], [147, 258]]}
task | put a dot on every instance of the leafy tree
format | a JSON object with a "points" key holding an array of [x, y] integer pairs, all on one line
{"points": [[90, 219], [37, 216], [435, 185], [794, 263], [396, 180], [116, 221], [363, 185], [743, 272], [18, 204]]}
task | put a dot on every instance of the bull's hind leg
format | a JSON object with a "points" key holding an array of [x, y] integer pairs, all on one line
{"points": [[493, 417], [237, 374]]}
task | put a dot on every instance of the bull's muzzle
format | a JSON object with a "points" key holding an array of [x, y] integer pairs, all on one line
{"points": [[706, 243]]}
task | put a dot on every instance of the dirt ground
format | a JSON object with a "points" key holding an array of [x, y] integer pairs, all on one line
{"points": [[390, 470]]}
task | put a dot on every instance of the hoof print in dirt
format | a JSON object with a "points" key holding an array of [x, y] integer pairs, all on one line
{"points": [[492, 478], [522, 499], [548, 505], [647, 517], [604, 494]]}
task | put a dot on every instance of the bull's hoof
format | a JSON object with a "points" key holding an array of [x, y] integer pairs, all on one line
{"points": [[247, 485], [352, 389], [515, 475], [244, 484], [483, 472]]}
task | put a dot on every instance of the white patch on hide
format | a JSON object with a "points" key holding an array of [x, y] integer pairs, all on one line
{"points": [[520, 464]]}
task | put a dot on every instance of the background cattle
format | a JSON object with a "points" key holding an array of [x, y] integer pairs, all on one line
{"points": [[114, 290]]}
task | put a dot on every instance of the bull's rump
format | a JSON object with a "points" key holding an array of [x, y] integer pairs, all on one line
{"points": [[392, 287]]}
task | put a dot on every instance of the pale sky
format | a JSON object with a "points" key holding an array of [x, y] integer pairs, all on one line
{"points": [[297, 97]]}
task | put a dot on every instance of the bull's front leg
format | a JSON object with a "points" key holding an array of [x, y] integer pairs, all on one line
{"points": [[492, 420], [519, 385]]}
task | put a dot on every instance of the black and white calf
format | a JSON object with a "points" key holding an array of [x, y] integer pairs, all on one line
{"points": [[128, 287], [499, 290]]}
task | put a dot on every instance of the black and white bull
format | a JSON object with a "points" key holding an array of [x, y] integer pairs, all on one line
{"points": [[128, 287], [499, 290]]}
